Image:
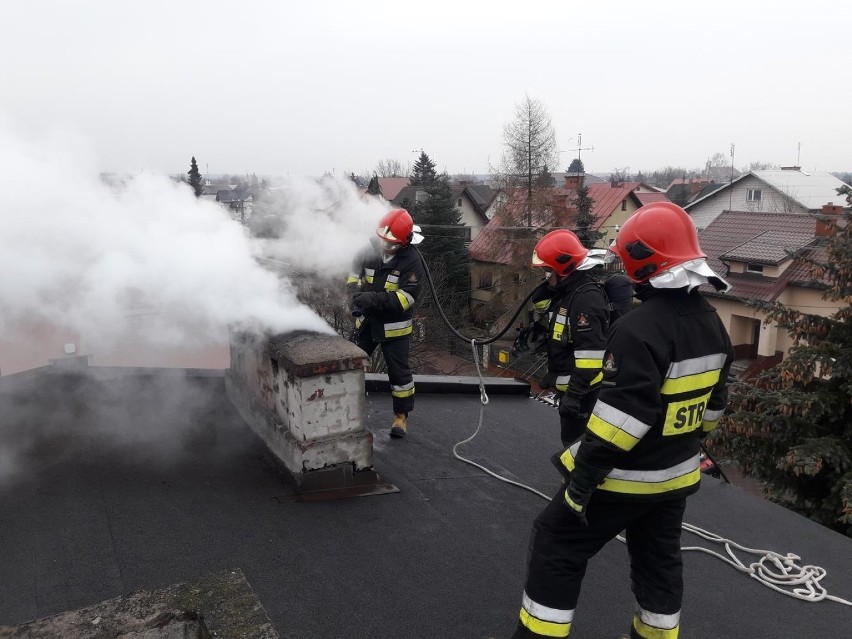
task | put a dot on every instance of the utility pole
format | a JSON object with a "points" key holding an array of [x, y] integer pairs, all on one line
{"points": [[730, 187]]}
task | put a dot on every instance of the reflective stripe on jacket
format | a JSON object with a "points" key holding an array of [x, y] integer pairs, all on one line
{"points": [[578, 320], [401, 279], [664, 384]]}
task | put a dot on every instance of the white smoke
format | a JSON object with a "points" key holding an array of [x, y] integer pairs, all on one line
{"points": [[147, 261]]}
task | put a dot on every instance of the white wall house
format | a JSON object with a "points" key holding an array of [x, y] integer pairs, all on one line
{"points": [[788, 190]]}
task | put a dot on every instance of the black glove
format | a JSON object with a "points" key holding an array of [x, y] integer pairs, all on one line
{"points": [[549, 380], [576, 501], [366, 301], [570, 407], [585, 478]]}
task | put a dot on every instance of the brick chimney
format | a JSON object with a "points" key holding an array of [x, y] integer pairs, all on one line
{"points": [[302, 393], [574, 181], [826, 225]]}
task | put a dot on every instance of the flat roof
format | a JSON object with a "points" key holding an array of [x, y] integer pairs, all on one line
{"points": [[130, 481]]}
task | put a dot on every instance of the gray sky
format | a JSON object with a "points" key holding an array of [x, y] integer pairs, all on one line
{"points": [[276, 87]]}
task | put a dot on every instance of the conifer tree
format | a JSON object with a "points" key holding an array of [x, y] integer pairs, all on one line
{"points": [[440, 220], [195, 177], [791, 427], [423, 173], [584, 220]]}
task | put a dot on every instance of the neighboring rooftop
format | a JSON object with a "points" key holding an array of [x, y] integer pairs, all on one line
{"points": [[135, 479], [760, 238]]}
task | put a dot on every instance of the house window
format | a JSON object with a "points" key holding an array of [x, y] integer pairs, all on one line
{"points": [[458, 204], [623, 205], [753, 195], [485, 279], [754, 268]]}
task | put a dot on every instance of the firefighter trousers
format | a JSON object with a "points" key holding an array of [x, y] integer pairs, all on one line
{"points": [[561, 546], [401, 380]]}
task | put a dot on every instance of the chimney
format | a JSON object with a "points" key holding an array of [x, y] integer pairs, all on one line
{"points": [[302, 393], [574, 181], [827, 218]]}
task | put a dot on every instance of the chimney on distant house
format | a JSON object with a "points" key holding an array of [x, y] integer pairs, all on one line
{"points": [[574, 181], [827, 219], [576, 175]]}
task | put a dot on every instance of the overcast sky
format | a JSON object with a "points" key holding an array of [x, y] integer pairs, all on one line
{"points": [[275, 88]]}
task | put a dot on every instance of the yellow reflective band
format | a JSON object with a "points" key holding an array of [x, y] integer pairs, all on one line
{"points": [[650, 632], [685, 416], [541, 305], [402, 393], [588, 363], [358, 322], [610, 433], [557, 331], [597, 379], [351, 280], [707, 425], [391, 286], [629, 487], [573, 505], [688, 383], [562, 387], [642, 482], [398, 329], [370, 279], [544, 628], [404, 300]]}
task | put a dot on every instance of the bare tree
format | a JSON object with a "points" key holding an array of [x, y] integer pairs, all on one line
{"points": [[761, 166], [530, 151], [392, 167]]}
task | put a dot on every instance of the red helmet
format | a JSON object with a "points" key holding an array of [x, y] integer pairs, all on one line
{"points": [[560, 251], [655, 238], [396, 227]]}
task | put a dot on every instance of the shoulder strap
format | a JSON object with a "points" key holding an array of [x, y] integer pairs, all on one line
{"points": [[598, 285]]}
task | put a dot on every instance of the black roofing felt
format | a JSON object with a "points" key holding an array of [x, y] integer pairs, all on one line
{"points": [[92, 516]]}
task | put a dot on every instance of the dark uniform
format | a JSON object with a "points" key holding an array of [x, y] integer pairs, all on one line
{"points": [[393, 289], [578, 316], [664, 387]]}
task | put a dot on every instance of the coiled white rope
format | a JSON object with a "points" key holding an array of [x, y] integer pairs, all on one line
{"points": [[773, 570]]}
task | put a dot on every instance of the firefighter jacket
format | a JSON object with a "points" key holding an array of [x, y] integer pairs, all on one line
{"points": [[578, 317], [398, 282], [664, 387]]}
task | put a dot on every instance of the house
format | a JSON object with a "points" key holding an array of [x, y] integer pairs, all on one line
{"points": [[684, 191], [238, 201], [391, 186], [759, 253], [500, 253], [786, 190], [471, 200]]}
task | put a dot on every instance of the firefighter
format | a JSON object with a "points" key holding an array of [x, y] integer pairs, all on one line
{"points": [[663, 389], [578, 316], [385, 283]]}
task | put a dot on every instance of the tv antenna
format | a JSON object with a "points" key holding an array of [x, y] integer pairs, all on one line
{"points": [[580, 146]]}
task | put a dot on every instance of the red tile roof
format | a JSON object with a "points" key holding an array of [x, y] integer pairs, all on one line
{"points": [[391, 186], [647, 198], [494, 242]]}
